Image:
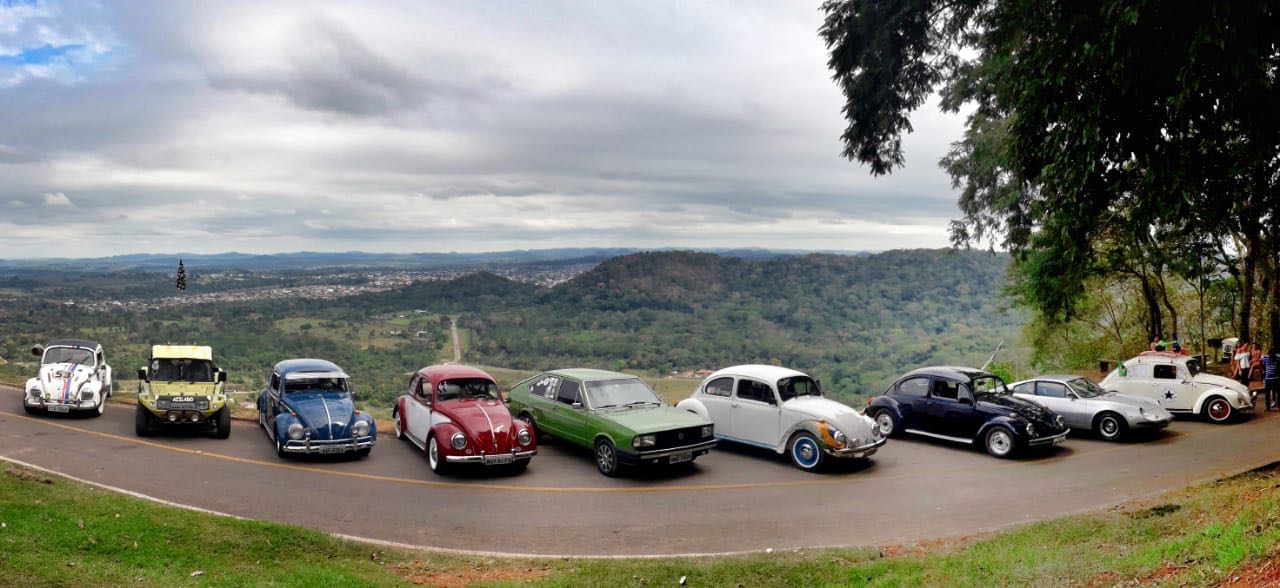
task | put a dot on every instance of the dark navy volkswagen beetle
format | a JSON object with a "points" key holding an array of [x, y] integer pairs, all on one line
{"points": [[965, 405], [308, 407]]}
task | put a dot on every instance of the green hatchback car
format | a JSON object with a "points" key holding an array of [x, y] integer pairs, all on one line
{"points": [[616, 415]]}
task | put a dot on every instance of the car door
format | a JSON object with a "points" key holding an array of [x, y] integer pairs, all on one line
{"points": [[567, 414], [542, 397], [1167, 387], [1056, 397], [754, 412], [950, 410], [417, 409], [272, 405], [912, 395], [716, 397]]}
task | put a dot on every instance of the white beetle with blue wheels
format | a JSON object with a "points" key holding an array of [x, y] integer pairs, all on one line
{"points": [[784, 410]]}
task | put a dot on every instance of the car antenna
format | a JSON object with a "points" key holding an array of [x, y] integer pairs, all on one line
{"points": [[992, 359]]}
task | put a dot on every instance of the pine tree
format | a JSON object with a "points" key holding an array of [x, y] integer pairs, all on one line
{"points": [[182, 276]]}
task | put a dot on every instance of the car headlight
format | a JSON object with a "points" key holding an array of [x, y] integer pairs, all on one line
{"points": [[875, 430], [838, 436], [296, 430], [360, 429], [1061, 422], [524, 437], [1031, 430], [458, 440], [707, 431], [643, 441]]}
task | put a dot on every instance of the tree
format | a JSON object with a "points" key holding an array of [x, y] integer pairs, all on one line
{"points": [[182, 276]]}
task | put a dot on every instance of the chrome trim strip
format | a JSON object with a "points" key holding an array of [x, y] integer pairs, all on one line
{"points": [[669, 452], [937, 436], [480, 458], [328, 419], [1050, 439], [493, 437], [860, 449], [313, 446]]}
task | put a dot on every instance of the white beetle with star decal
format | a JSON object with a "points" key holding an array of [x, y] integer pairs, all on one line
{"points": [[1176, 382]]}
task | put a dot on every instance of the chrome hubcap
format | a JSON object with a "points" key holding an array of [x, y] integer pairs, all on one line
{"points": [[885, 423], [1109, 427], [604, 455], [1218, 410], [1000, 443], [398, 428], [433, 453]]}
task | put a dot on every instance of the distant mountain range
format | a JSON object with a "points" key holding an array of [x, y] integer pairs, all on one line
{"points": [[311, 260]]}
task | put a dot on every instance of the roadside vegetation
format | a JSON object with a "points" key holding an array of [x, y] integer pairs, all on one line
{"points": [[55, 532]]}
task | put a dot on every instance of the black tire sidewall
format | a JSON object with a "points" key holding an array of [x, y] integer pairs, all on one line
{"points": [[1121, 426], [596, 455]]}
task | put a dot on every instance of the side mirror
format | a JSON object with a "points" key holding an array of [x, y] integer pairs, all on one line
{"points": [[37, 350], [221, 377], [142, 374]]}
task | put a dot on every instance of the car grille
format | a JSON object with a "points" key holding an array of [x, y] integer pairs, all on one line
{"points": [[677, 438], [186, 403]]}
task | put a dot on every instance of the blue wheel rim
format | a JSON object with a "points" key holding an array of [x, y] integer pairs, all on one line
{"points": [[805, 445]]}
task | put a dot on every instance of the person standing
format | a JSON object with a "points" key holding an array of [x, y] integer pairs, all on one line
{"points": [[1271, 378], [1242, 364], [1255, 362]]}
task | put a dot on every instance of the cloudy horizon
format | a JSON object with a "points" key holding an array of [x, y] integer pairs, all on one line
{"points": [[270, 127]]}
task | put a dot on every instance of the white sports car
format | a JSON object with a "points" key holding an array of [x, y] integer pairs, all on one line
{"points": [[74, 377], [1176, 382], [783, 410]]}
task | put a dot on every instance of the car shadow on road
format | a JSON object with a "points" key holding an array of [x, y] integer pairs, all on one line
{"points": [[833, 466], [1033, 454]]}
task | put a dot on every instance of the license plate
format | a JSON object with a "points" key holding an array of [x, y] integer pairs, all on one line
{"points": [[502, 459], [59, 408], [332, 449], [681, 457]]}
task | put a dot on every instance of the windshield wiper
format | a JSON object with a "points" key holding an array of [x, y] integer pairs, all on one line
{"points": [[642, 402]]}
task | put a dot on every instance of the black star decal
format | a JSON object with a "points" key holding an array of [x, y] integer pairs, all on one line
{"points": [[1168, 394]]}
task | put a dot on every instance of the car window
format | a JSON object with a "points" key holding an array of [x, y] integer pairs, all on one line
{"points": [[545, 387], [719, 387], [1165, 372], [1051, 389], [789, 388], [946, 389], [275, 381], [918, 387], [569, 392], [1025, 388], [1140, 371], [423, 389], [753, 390]]}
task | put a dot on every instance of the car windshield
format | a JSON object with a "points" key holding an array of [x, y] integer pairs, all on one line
{"points": [[182, 370], [1193, 366], [794, 386], [624, 392], [1085, 388], [466, 388], [67, 355], [988, 386], [316, 384]]}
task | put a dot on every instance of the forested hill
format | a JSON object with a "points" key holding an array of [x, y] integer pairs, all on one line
{"points": [[855, 321]]}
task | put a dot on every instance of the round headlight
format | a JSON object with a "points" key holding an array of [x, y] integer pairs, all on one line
{"points": [[1031, 429], [458, 440], [524, 437], [838, 437], [296, 430], [1061, 422], [360, 429]]}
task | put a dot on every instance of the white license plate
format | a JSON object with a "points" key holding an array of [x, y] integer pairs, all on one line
{"points": [[59, 408], [332, 449], [681, 457], [498, 459]]}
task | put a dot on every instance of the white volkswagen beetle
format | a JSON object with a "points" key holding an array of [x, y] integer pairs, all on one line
{"points": [[73, 377], [1176, 382], [783, 410]]}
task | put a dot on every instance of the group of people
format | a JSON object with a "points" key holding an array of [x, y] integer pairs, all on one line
{"points": [[1172, 345], [1248, 363]]}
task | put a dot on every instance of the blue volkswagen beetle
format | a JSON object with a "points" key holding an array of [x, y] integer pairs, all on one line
{"points": [[307, 407]]}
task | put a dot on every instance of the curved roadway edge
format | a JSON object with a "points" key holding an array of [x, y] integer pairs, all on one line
{"points": [[733, 501]]}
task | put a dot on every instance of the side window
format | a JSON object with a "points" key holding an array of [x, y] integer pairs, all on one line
{"points": [[917, 387], [946, 390], [1025, 388], [424, 389], [545, 387], [753, 390], [1141, 371], [275, 382], [569, 392], [1165, 372], [719, 387], [1051, 389]]}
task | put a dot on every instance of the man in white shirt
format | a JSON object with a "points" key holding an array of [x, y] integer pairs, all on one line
{"points": [[1242, 359]]}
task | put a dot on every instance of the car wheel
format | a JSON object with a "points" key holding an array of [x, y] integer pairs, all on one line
{"points": [[1000, 442], [111, 389], [142, 422], [607, 458], [280, 452], [222, 423], [887, 422], [533, 427], [434, 459], [1218, 409], [399, 428], [30, 409], [805, 452], [102, 406], [1109, 426]]}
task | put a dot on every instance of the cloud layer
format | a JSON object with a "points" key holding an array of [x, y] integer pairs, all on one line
{"points": [[276, 126]]}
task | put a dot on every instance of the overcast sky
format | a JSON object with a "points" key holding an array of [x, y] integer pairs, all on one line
{"points": [[444, 126]]}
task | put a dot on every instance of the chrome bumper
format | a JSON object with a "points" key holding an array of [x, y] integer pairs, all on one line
{"points": [[661, 453], [36, 401], [519, 455], [1052, 440], [328, 445], [1146, 424], [861, 451]]}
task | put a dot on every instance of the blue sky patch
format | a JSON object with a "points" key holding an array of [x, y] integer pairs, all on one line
{"points": [[39, 55]]}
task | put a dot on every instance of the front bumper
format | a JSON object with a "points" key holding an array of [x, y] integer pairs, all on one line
{"points": [[857, 452], [657, 455], [314, 446], [52, 406], [1149, 425], [1050, 440], [480, 459]]}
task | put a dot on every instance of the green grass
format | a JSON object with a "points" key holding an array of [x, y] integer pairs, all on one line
{"points": [[60, 533]]}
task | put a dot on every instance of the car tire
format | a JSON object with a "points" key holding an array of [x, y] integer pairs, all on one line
{"points": [[1110, 426], [142, 422], [30, 409], [399, 427], [222, 423], [806, 452], [101, 408], [607, 458], [435, 461], [533, 427], [280, 452], [1000, 442], [884, 418], [1218, 410]]}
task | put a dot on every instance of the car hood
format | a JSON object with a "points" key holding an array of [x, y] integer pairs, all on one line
{"points": [[327, 414], [62, 381], [1010, 405], [1126, 400], [487, 423], [162, 388], [1206, 381], [651, 419], [842, 416]]}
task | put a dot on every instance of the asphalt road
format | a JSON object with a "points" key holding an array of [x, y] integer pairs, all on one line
{"points": [[734, 499]]}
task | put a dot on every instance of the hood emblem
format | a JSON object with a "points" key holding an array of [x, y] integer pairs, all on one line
{"points": [[680, 436]]}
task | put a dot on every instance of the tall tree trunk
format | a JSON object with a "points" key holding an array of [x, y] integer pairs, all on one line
{"points": [[1153, 309], [1249, 284], [1274, 312]]}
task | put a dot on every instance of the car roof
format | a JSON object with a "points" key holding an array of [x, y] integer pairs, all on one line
{"points": [[768, 373], [1159, 357], [958, 373], [587, 375], [290, 366], [74, 343], [448, 371], [182, 352]]}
